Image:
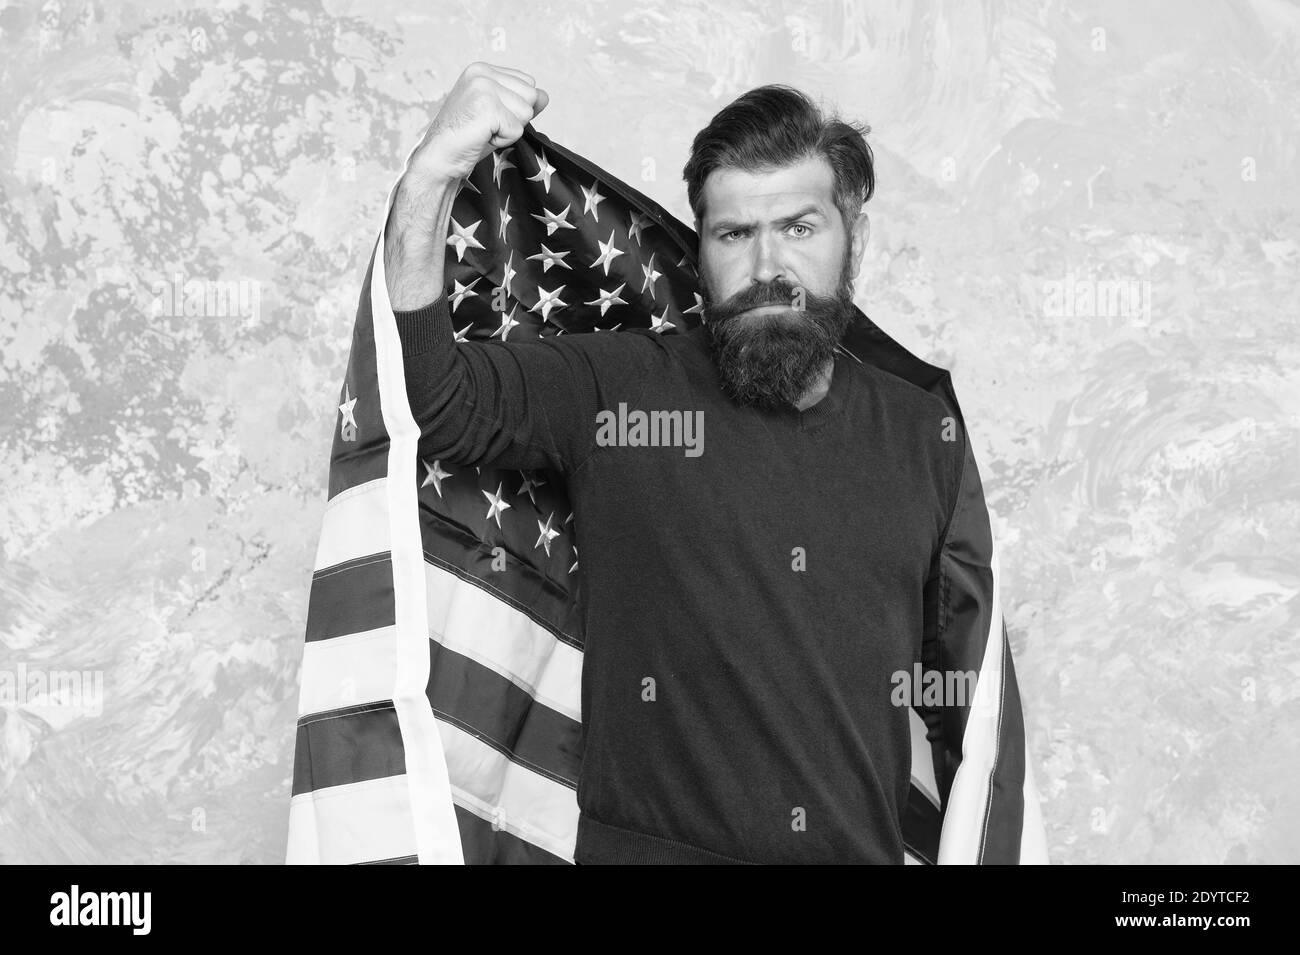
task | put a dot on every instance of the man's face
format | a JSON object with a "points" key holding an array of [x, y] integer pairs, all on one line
{"points": [[776, 270]]}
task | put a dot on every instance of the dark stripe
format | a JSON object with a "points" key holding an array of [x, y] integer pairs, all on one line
{"points": [[349, 745], [351, 597], [398, 860], [365, 458], [1005, 814], [482, 702], [922, 823], [450, 545], [484, 845], [353, 465]]}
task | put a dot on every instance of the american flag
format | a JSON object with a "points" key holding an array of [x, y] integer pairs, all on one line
{"points": [[439, 717]]}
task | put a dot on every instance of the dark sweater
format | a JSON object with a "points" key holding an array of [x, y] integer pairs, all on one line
{"points": [[736, 708]]}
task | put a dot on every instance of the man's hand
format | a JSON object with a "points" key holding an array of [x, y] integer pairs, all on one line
{"points": [[486, 109]]}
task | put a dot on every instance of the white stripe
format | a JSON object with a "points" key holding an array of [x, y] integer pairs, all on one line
{"points": [[923, 760], [344, 671], [534, 807], [467, 619], [436, 829], [358, 822], [909, 859], [355, 524], [964, 819]]}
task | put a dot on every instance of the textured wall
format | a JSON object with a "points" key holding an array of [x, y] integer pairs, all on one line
{"points": [[1087, 211]]}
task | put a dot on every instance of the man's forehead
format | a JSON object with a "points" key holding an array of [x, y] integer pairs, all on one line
{"points": [[730, 192]]}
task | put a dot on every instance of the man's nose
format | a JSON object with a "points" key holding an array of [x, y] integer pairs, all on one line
{"points": [[766, 266]]}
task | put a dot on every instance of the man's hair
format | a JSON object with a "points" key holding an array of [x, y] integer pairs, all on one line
{"points": [[774, 126]]}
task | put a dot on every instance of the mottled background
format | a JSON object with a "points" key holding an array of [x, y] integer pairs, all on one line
{"points": [[163, 475]]}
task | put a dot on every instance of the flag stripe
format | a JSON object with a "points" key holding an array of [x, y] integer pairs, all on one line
{"points": [[485, 845], [350, 465], [519, 585], [466, 617], [1004, 817], [536, 807], [346, 746], [482, 702], [399, 860], [343, 671], [351, 597], [355, 525], [345, 825]]}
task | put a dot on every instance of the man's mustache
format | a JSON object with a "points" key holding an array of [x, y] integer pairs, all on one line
{"points": [[774, 293]]}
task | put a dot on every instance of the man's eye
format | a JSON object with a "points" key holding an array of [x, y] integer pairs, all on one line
{"points": [[800, 225], [728, 235]]}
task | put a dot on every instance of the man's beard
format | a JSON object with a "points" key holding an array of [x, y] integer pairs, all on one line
{"points": [[771, 361]]}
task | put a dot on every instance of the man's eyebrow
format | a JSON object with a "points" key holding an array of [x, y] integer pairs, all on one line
{"points": [[809, 211]]}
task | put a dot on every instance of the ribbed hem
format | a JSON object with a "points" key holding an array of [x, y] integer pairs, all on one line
{"points": [[425, 329], [601, 844]]}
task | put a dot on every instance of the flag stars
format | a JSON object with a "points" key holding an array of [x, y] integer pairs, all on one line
{"points": [[434, 475], [544, 172], [462, 238], [500, 163], [698, 307], [508, 273], [555, 220], [607, 299], [549, 258], [651, 276], [530, 485], [505, 219], [508, 322], [591, 198], [660, 323], [497, 505], [548, 301], [548, 534], [639, 224], [461, 292], [607, 253], [461, 335], [347, 408]]}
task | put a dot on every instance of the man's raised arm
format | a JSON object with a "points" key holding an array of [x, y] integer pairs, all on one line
{"points": [[519, 405]]}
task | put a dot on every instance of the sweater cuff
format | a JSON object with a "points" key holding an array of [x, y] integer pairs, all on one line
{"points": [[425, 329]]}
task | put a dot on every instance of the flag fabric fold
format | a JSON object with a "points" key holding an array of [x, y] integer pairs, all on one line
{"points": [[439, 716]]}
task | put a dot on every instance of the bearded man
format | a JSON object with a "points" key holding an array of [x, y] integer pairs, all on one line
{"points": [[748, 607]]}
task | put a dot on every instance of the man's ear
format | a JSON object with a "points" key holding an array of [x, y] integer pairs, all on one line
{"points": [[859, 234]]}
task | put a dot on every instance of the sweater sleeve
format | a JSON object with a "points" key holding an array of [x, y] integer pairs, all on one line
{"points": [[516, 404]]}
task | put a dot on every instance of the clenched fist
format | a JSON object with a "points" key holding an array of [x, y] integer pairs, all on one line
{"points": [[486, 109]]}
